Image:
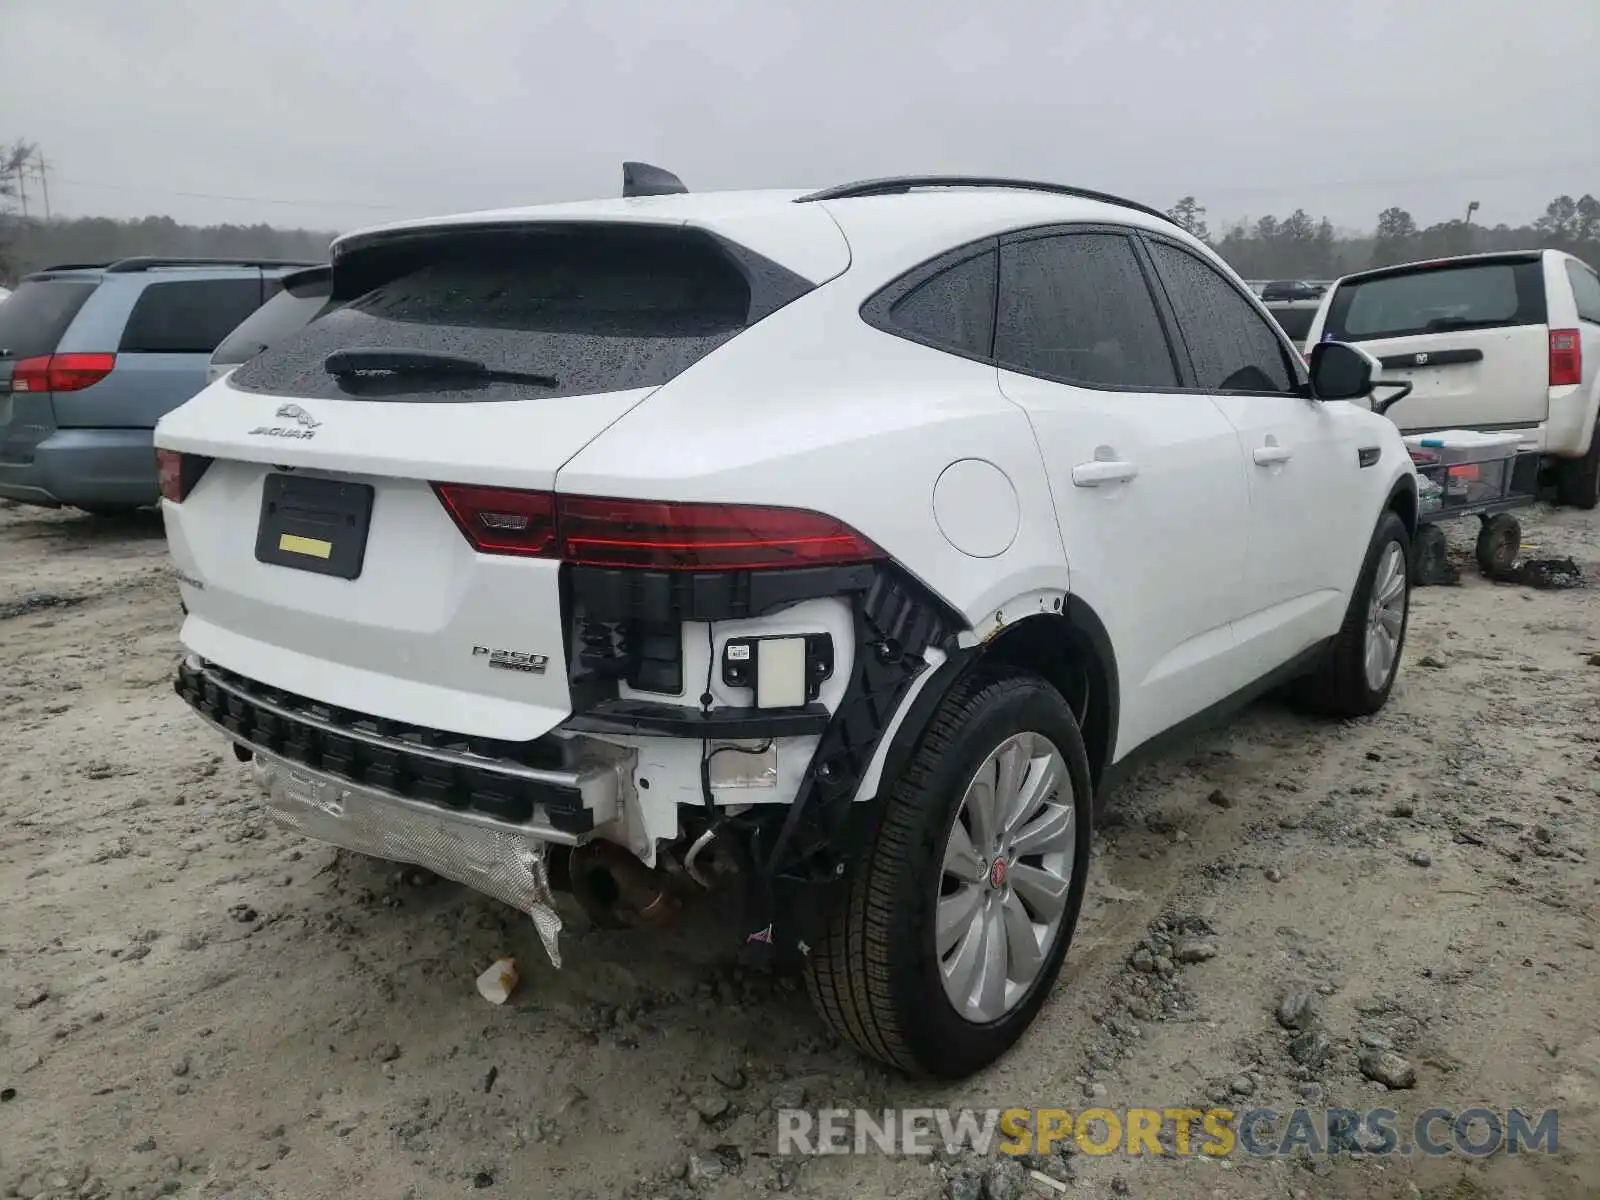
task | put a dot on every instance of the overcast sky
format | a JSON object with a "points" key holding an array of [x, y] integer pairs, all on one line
{"points": [[340, 113]]}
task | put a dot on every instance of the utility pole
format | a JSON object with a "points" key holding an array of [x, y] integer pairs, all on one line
{"points": [[44, 184], [1471, 208]]}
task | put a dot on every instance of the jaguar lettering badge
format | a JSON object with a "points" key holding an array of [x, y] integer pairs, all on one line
{"points": [[290, 412], [513, 660]]}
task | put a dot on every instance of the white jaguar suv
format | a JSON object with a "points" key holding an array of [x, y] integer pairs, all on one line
{"points": [[829, 554]]}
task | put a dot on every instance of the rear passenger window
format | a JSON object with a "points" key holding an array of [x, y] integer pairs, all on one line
{"points": [[188, 317], [954, 310], [1231, 345], [1586, 290], [1076, 308]]}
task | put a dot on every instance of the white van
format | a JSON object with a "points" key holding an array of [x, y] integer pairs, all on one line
{"points": [[1506, 341]]}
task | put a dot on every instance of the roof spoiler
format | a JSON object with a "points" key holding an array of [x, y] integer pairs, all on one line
{"points": [[642, 179]]}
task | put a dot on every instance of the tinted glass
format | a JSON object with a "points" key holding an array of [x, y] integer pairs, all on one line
{"points": [[600, 309], [1296, 322], [1231, 345], [188, 316], [1438, 300], [1076, 307], [287, 312], [33, 318], [1585, 289], [954, 309]]}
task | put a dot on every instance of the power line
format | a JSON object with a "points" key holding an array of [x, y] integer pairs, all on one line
{"points": [[123, 187]]}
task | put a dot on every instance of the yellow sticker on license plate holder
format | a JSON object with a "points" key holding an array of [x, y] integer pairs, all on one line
{"points": [[295, 544]]}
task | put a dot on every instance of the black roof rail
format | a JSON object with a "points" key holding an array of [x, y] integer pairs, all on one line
{"points": [[642, 179], [69, 267], [145, 262], [899, 184]]}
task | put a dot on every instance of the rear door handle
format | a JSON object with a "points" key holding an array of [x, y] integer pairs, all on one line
{"points": [[1271, 454], [1103, 471]]}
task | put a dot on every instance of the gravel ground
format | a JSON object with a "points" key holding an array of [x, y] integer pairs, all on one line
{"points": [[195, 1003]]}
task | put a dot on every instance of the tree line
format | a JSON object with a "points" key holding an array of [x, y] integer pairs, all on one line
{"points": [[1299, 246], [1296, 246]]}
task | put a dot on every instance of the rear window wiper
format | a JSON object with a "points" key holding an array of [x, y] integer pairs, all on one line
{"points": [[342, 364]]}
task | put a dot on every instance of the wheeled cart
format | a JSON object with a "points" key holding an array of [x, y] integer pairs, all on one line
{"points": [[1466, 473]]}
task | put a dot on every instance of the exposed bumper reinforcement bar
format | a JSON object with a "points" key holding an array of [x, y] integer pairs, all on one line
{"points": [[502, 860]]}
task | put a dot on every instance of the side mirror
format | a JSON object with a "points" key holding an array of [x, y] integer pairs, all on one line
{"points": [[1340, 371]]}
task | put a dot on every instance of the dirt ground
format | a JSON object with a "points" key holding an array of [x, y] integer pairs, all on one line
{"points": [[195, 1003]]}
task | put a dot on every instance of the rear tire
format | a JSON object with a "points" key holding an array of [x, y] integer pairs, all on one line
{"points": [[1356, 678], [1578, 484], [885, 978]]}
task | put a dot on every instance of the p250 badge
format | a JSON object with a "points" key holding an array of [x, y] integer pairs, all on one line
{"points": [[513, 660]]}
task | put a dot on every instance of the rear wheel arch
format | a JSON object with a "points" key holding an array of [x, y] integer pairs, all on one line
{"points": [[1069, 649], [1403, 502]]}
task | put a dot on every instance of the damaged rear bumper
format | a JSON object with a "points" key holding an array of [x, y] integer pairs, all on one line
{"points": [[501, 860], [486, 821]]}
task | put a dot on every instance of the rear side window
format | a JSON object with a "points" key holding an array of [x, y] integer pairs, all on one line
{"points": [[1231, 345], [1438, 300], [952, 310], [1076, 308], [598, 308], [289, 311], [33, 318], [1585, 289], [188, 316]]}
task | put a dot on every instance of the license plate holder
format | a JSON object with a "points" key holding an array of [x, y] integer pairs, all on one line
{"points": [[317, 525]]}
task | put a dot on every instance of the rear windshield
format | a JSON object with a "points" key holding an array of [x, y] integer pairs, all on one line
{"points": [[290, 311], [1296, 322], [33, 318], [1438, 300], [596, 308]]}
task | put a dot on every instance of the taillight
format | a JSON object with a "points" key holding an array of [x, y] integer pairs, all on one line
{"points": [[179, 473], [603, 532], [1566, 357], [703, 537], [501, 520], [60, 372]]}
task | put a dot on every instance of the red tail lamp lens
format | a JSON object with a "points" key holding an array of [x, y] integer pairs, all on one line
{"points": [[1566, 357], [60, 372], [703, 537], [179, 473], [602, 532], [502, 520]]}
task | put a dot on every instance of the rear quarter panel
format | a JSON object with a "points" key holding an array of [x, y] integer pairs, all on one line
{"points": [[813, 408]]}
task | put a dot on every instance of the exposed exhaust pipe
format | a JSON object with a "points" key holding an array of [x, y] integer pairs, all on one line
{"points": [[617, 891]]}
